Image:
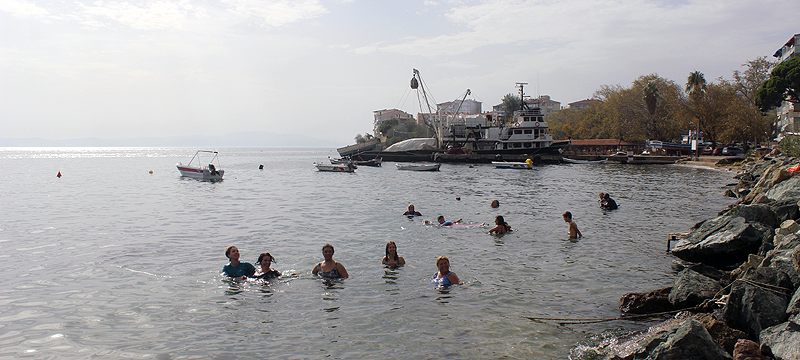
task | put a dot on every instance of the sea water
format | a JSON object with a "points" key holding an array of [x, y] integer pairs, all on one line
{"points": [[120, 257]]}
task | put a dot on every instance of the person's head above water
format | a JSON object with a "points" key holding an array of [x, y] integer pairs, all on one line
{"points": [[232, 252], [567, 216], [606, 196], [495, 204], [499, 220], [411, 207], [440, 219], [265, 258], [327, 251]]}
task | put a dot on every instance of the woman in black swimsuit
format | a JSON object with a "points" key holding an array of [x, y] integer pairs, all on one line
{"points": [[266, 272], [329, 268]]}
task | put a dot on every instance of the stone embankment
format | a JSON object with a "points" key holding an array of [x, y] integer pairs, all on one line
{"points": [[738, 279]]}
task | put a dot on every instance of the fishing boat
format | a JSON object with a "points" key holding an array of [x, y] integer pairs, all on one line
{"points": [[196, 169], [511, 165], [418, 167], [376, 162], [580, 161], [348, 167]]}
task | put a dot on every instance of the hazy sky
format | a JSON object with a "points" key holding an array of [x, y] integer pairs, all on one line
{"points": [[117, 69]]}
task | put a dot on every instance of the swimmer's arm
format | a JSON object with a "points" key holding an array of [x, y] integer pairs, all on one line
{"points": [[401, 261], [454, 278], [342, 271], [316, 270]]}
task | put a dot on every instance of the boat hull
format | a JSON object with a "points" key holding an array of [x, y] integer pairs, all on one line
{"points": [[200, 174], [645, 159], [418, 167], [334, 168], [511, 165]]}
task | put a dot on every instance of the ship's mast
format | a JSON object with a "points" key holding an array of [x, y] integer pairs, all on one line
{"points": [[521, 86], [433, 119]]}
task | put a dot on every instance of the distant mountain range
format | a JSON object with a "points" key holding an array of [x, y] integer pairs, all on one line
{"points": [[250, 139]]}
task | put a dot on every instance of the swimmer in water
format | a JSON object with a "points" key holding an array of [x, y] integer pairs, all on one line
{"points": [[266, 272], [237, 269], [392, 260], [444, 277], [329, 268], [501, 226], [573, 231], [411, 212]]}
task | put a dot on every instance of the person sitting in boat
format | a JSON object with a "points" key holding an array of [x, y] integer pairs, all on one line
{"points": [[266, 272], [501, 226], [392, 260], [444, 277], [411, 212], [443, 222], [237, 269], [608, 203], [212, 169], [329, 268]]}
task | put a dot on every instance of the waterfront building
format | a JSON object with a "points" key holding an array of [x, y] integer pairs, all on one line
{"points": [[584, 104], [381, 116], [789, 112], [544, 102]]}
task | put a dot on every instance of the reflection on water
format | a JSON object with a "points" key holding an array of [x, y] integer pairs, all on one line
{"points": [[131, 270]]}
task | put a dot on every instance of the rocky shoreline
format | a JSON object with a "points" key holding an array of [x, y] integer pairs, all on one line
{"points": [[736, 294]]}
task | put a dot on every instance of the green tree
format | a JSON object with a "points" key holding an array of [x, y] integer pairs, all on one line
{"points": [[696, 88], [510, 104], [754, 125], [651, 97], [783, 84]]}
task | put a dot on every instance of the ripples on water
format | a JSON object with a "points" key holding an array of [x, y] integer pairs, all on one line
{"points": [[111, 261]]}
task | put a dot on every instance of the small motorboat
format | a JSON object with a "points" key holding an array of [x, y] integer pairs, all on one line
{"points": [[348, 167], [376, 162], [418, 167], [511, 165], [196, 169], [579, 161]]}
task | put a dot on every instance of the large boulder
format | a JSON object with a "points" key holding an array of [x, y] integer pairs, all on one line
{"points": [[692, 288], [752, 307], [782, 340], [646, 303], [747, 350], [690, 341], [788, 190], [785, 210], [760, 213], [782, 260], [723, 335], [794, 304], [724, 240]]}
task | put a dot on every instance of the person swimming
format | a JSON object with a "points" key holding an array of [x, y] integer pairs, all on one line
{"points": [[329, 268], [573, 231], [266, 272], [444, 277], [392, 260], [501, 226], [236, 269], [411, 212], [607, 202], [442, 222], [495, 204]]}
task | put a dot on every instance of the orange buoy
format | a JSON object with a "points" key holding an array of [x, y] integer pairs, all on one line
{"points": [[59, 174]]}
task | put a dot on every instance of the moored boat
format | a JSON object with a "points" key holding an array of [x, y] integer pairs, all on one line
{"points": [[348, 167], [418, 167], [196, 170], [581, 161], [511, 165]]}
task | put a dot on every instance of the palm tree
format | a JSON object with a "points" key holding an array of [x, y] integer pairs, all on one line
{"points": [[696, 84], [651, 97], [696, 88]]}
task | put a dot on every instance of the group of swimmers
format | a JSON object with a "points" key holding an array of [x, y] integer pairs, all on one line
{"points": [[329, 268]]}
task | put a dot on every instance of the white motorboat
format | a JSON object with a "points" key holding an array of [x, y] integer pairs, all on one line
{"points": [[511, 165], [348, 167], [196, 169], [418, 167], [579, 161]]}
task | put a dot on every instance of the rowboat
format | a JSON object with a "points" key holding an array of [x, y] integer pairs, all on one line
{"points": [[511, 165], [349, 167], [418, 167], [579, 161], [196, 170]]}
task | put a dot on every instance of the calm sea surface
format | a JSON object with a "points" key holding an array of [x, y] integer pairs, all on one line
{"points": [[111, 261]]}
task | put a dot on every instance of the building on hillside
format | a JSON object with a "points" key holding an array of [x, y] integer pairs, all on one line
{"points": [[788, 112], [380, 116], [468, 107], [544, 102], [584, 104]]}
